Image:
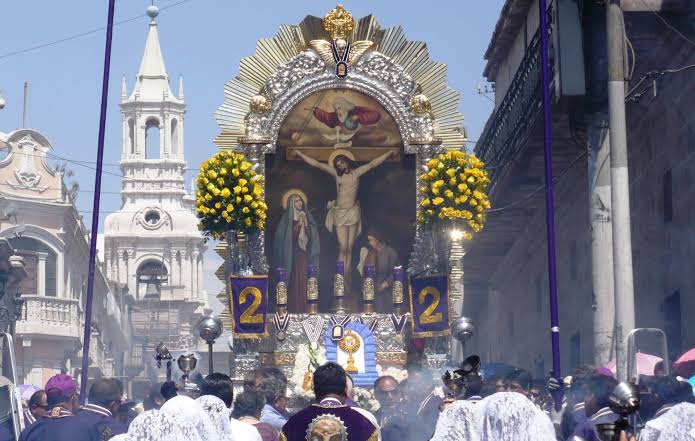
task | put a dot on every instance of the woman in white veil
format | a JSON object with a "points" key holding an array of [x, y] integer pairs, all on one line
{"points": [[678, 424], [190, 414], [218, 414], [154, 425], [457, 422], [510, 416]]}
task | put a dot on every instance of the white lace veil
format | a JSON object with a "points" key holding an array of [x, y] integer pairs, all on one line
{"points": [[510, 416], [218, 413], [191, 419], [678, 424], [154, 425], [457, 423]]}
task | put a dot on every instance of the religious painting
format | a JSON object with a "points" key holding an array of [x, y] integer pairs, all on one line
{"points": [[339, 189]]}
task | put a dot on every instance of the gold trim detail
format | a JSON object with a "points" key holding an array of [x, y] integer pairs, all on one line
{"points": [[392, 358], [312, 288], [276, 358], [339, 23]]}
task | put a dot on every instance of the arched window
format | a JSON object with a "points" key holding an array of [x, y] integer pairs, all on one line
{"points": [[151, 275], [131, 135], [40, 263], [174, 137], [152, 139]]}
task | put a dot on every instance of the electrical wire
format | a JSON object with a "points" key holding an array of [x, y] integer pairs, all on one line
{"points": [[539, 189], [84, 34], [633, 94], [669, 25]]}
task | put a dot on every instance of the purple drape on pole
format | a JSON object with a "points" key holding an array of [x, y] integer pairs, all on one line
{"points": [[95, 210], [549, 202]]}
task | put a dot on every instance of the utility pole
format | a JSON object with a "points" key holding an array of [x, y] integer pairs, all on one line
{"points": [[599, 182], [620, 186]]}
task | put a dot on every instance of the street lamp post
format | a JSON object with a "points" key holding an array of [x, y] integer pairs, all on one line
{"points": [[209, 329]]}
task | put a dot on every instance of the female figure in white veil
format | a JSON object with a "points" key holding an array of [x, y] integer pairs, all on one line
{"points": [[457, 422], [190, 414], [218, 414], [510, 416]]}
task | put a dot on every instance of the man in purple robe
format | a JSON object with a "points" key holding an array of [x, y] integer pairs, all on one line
{"points": [[331, 419]]}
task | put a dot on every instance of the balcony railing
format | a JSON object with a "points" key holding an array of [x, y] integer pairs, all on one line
{"points": [[50, 316], [514, 114]]}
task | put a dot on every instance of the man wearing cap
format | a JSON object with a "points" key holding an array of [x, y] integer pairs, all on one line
{"points": [[95, 422], [97, 419], [56, 424]]}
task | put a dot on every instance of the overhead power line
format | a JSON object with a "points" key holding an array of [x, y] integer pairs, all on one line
{"points": [[83, 34]]}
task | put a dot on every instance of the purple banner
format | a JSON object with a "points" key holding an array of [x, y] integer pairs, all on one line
{"points": [[249, 306], [429, 306]]}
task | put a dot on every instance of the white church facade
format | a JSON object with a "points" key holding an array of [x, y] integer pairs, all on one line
{"points": [[152, 245]]}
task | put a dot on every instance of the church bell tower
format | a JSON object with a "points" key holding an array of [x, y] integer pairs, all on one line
{"points": [[152, 245]]}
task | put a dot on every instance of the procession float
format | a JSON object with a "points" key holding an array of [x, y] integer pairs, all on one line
{"points": [[342, 198]]}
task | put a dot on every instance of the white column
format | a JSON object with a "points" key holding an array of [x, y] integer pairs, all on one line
{"points": [[201, 285], [186, 271], [194, 272], [107, 264], [179, 148], [166, 136], [61, 288], [41, 274], [130, 272], [120, 267], [180, 266]]}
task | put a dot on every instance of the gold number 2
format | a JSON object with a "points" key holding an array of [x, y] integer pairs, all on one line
{"points": [[427, 317], [249, 316]]}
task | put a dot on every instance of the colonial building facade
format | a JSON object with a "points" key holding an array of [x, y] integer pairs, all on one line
{"points": [[39, 220], [506, 265], [152, 245]]}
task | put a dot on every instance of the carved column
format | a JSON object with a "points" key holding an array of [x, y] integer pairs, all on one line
{"points": [[120, 266], [194, 273], [200, 279], [107, 263], [186, 271], [41, 274], [130, 271]]}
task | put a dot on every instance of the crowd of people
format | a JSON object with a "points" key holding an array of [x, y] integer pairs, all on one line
{"points": [[508, 406]]}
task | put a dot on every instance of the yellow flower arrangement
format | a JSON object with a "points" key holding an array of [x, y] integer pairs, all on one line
{"points": [[230, 196], [454, 190]]}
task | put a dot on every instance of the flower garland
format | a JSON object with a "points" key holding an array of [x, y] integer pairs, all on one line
{"points": [[454, 189], [230, 196], [398, 374], [305, 362], [365, 398]]}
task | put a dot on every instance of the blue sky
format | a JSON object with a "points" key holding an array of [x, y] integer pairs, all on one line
{"points": [[203, 40]]}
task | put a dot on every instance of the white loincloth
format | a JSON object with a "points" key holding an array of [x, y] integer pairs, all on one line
{"points": [[338, 217]]}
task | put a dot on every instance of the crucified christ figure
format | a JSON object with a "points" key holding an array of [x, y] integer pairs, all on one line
{"points": [[344, 212]]}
